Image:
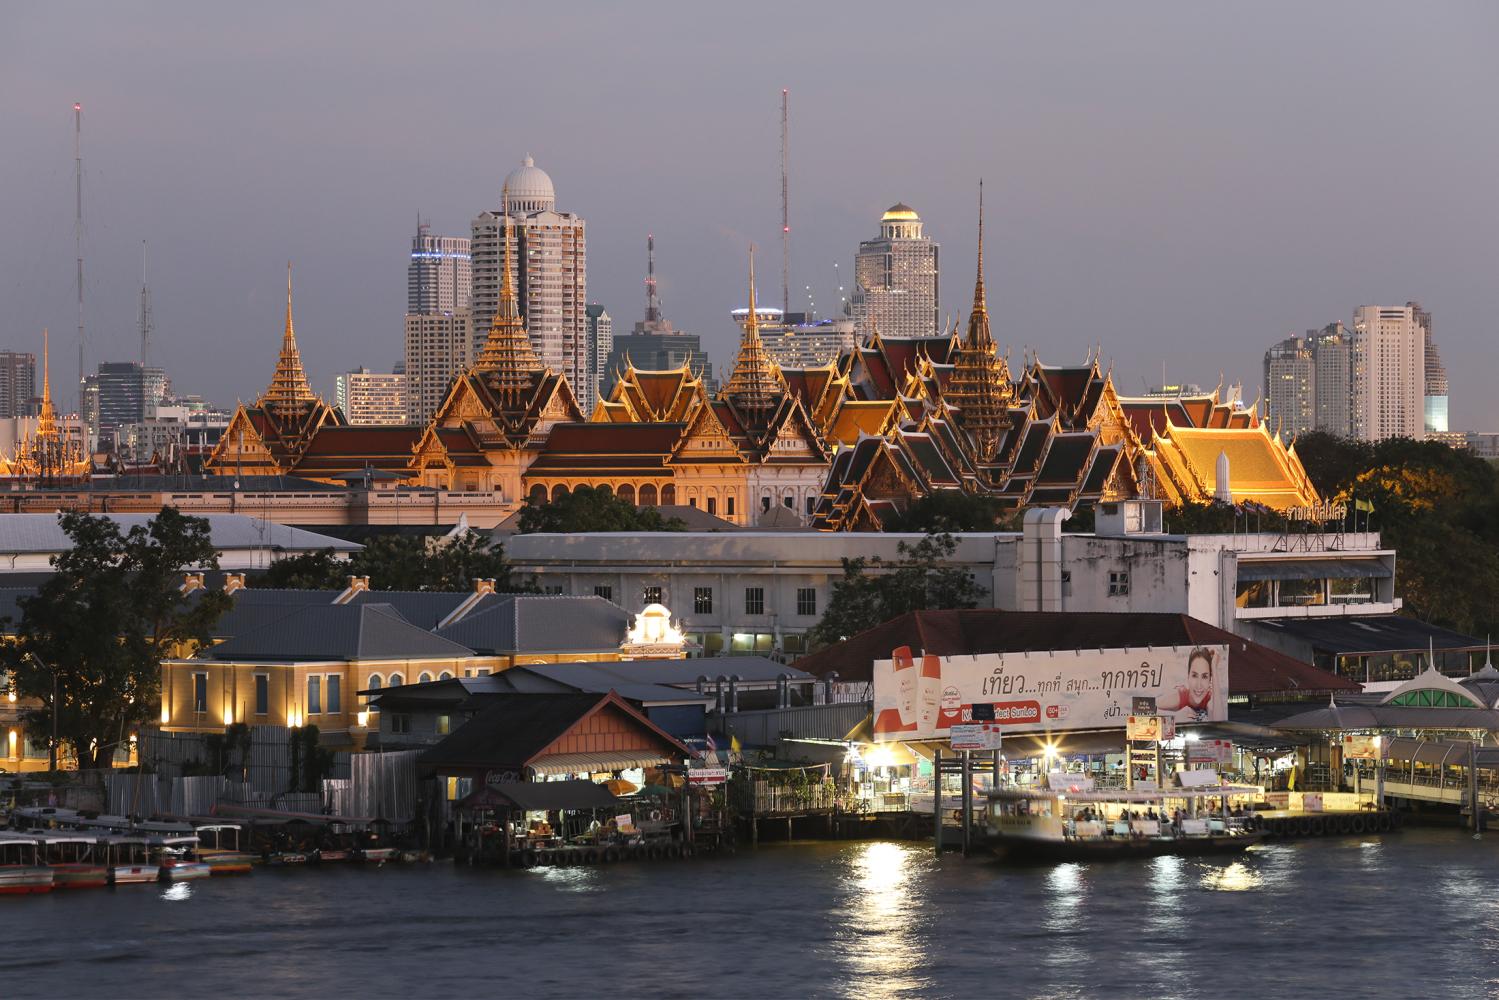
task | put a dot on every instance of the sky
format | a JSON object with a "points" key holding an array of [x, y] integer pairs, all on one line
{"points": [[1180, 183]]}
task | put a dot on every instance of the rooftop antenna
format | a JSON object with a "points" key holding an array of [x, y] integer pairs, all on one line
{"points": [[78, 234], [652, 304], [785, 216], [145, 311]]}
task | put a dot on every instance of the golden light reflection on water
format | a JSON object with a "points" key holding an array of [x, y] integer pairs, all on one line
{"points": [[1066, 890], [178, 891], [883, 948], [1236, 877]]}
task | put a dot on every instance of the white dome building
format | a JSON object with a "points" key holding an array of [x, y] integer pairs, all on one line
{"points": [[528, 189]]}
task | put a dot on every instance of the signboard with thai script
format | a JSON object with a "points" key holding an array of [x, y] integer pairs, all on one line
{"points": [[1360, 747], [976, 736], [923, 696], [1210, 752], [707, 775]]}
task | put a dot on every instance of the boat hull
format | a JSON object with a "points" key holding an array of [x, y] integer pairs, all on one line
{"points": [[185, 871], [229, 863], [376, 855], [1012, 848], [133, 874], [79, 876], [21, 880]]}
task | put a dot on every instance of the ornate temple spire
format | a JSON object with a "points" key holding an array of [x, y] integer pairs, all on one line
{"points": [[755, 384], [980, 386], [288, 395], [46, 422], [507, 361]]}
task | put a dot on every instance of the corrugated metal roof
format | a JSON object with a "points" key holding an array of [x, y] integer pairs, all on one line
{"points": [[542, 623], [42, 533], [572, 763], [1369, 633], [338, 632]]}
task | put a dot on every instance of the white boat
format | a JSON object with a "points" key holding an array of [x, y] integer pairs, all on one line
{"points": [[76, 859], [43, 818], [1068, 820], [128, 859], [176, 855], [21, 868]]}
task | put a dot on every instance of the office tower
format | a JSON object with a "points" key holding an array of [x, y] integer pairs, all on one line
{"points": [[1435, 388], [123, 392], [1333, 360], [895, 279], [653, 344], [439, 346], [1290, 387], [439, 278], [1389, 376], [367, 397], [550, 250], [17, 383], [600, 345], [811, 343]]}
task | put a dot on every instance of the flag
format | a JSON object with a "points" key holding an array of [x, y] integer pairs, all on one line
{"points": [[1366, 506], [734, 743]]}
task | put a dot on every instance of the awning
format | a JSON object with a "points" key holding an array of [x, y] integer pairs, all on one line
{"points": [[541, 795], [1314, 569], [1426, 752], [574, 763]]}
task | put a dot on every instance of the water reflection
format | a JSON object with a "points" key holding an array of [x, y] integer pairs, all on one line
{"points": [[883, 948], [570, 879], [1236, 877], [178, 891]]}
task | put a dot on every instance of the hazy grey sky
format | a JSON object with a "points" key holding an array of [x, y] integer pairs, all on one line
{"points": [[1182, 182]]}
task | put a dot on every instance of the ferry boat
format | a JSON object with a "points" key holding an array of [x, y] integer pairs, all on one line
{"points": [[76, 859], [176, 855], [220, 848], [1069, 820], [375, 855], [127, 859], [21, 868]]}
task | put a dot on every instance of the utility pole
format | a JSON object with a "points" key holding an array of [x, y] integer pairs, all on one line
{"points": [[785, 216]]}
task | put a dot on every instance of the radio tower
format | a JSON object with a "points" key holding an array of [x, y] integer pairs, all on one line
{"points": [[145, 311], [652, 304], [785, 218], [78, 234]]}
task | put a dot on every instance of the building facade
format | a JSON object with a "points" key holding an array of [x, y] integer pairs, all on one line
{"points": [[896, 279], [812, 345], [1291, 387], [1389, 373], [17, 384], [439, 278], [367, 397], [600, 347], [1436, 385], [439, 346], [551, 253]]}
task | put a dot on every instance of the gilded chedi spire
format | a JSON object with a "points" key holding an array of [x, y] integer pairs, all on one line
{"points": [[756, 383], [288, 395], [507, 361], [980, 386], [46, 421]]}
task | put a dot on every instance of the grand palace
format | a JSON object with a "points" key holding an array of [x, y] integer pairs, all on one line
{"points": [[845, 446]]}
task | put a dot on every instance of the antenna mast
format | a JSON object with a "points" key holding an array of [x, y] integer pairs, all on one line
{"points": [[652, 304], [145, 311], [78, 233], [785, 217]]}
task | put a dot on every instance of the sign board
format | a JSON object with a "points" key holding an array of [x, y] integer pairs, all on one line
{"points": [[1210, 752], [1149, 728], [1360, 747], [707, 775], [976, 736], [1203, 778], [1142, 706], [982, 712], [923, 696], [493, 778]]}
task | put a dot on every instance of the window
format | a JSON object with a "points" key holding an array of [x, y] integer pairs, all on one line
{"points": [[702, 600], [445, 676], [200, 692], [806, 601], [425, 678], [396, 680], [552, 589], [1118, 583], [787, 501], [262, 694], [605, 591], [810, 502], [314, 696], [400, 722], [729, 505], [1066, 583], [713, 505], [374, 684], [754, 600], [764, 504], [335, 694], [444, 725], [651, 595]]}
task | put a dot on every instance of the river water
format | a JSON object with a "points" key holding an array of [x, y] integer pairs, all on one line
{"points": [[1411, 914]]}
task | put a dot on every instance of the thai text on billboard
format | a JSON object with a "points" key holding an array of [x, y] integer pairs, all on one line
{"points": [[923, 696]]}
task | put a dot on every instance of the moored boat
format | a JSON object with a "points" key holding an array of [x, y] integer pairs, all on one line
{"points": [[176, 855], [220, 848], [1068, 820], [76, 860], [21, 868], [375, 855], [127, 859], [286, 859]]}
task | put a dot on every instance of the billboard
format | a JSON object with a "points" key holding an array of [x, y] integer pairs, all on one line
{"points": [[918, 697], [1360, 747]]}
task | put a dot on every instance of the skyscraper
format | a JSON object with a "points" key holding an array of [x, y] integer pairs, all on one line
{"points": [[1332, 398], [1389, 373], [1291, 386], [550, 250], [600, 346], [439, 346], [367, 397], [17, 383], [439, 277], [1435, 416], [895, 279]]}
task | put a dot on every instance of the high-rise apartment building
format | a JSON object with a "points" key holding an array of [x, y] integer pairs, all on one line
{"points": [[810, 344], [600, 346], [551, 255], [1291, 386], [439, 278], [895, 279], [439, 346], [1436, 387], [1333, 402], [17, 383], [367, 397], [1309, 383], [1389, 349]]}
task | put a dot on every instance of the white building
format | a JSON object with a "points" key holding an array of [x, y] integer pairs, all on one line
{"points": [[1389, 373], [439, 278], [550, 249], [895, 279], [600, 347], [762, 591], [368, 397], [438, 347], [810, 345]]}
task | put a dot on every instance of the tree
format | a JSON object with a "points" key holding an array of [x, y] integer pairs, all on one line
{"points": [[97, 630], [953, 510], [401, 562], [873, 591], [589, 509]]}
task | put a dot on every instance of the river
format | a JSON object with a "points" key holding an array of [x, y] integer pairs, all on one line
{"points": [[1410, 914]]}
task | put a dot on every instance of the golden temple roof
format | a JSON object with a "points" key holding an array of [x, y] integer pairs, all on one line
{"points": [[288, 395], [755, 385], [980, 385], [507, 361]]}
